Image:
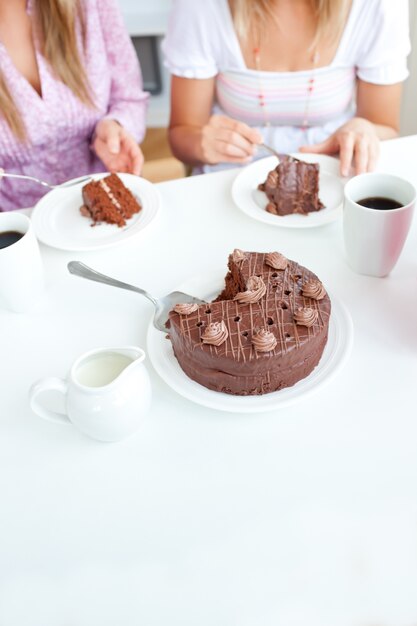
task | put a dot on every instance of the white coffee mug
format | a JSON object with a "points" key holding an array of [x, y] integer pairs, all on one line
{"points": [[21, 269], [374, 238], [107, 393]]}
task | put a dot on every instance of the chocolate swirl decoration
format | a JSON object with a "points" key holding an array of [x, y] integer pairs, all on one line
{"points": [[238, 255], [264, 341], [185, 309], [313, 289], [305, 316], [215, 334], [272, 179], [271, 207], [276, 260], [255, 290]]}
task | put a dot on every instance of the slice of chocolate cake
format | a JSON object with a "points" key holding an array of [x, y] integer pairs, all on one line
{"points": [[109, 200], [292, 187]]}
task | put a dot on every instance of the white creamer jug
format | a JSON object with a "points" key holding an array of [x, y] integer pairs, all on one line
{"points": [[107, 393]]}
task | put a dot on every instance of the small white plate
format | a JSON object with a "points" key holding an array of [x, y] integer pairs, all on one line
{"points": [[335, 354], [251, 201], [58, 222]]}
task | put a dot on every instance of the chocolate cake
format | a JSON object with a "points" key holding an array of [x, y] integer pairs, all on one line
{"points": [[109, 200], [292, 187], [265, 331]]}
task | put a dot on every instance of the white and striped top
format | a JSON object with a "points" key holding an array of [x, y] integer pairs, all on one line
{"points": [[201, 43], [286, 95]]}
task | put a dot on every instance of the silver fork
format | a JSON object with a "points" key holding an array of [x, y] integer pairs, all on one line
{"points": [[70, 183], [279, 155], [162, 305]]}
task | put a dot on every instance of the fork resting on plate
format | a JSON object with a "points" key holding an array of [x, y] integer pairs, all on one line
{"points": [[162, 305], [70, 183]]}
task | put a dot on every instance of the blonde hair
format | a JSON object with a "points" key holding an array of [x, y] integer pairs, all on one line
{"points": [[55, 24], [253, 15]]}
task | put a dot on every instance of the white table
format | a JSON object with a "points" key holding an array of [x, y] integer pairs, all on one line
{"points": [[306, 516]]}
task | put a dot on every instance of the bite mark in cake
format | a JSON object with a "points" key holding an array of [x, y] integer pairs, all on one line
{"points": [[109, 200], [255, 290], [292, 187]]}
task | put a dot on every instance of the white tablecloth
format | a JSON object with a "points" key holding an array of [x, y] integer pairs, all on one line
{"points": [[303, 516]]}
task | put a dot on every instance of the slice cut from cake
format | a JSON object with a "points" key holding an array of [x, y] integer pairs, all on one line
{"points": [[109, 200], [292, 187], [265, 331]]}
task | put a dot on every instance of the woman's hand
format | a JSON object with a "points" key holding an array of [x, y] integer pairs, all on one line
{"points": [[225, 140], [356, 142], [117, 148]]}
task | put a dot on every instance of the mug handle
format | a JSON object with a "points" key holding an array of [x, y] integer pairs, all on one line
{"points": [[48, 384]]}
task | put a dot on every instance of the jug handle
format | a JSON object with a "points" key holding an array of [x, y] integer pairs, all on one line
{"points": [[48, 384]]}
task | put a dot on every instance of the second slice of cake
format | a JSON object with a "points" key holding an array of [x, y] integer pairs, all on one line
{"points": [[109, 200], [292, 187]]}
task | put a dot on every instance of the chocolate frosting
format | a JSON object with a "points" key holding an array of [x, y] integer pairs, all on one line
{"points": [[109, 200], [215, 334], [314, 289], [305, 316], [109, 192], [238, 255], [256, 289], [186, 308], [292, 187], [276, 260], [235, 365], [264, 341], [272, 178]]}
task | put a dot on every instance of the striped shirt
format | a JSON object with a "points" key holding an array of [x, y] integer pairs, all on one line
{"points": [[286, 98]]}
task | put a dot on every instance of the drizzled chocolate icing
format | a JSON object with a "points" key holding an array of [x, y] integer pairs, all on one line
{"points": [[185, 309], [237, 365]]}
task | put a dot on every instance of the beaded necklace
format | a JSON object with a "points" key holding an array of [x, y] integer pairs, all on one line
{"points": [[309, 91]]}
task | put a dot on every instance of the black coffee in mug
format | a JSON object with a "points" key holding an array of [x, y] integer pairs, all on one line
{"points": [[9, 237], [380, 203]]}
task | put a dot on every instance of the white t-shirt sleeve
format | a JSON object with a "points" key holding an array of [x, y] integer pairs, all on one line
{"points": [[190, 42], [383, 58]]}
